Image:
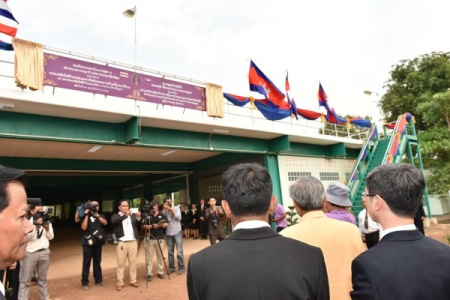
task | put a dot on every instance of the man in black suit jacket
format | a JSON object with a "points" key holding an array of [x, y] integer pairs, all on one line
{"points": [[404, 264], [254, 262]]}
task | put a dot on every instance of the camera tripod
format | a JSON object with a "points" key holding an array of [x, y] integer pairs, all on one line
{"points": [[147, 238]]}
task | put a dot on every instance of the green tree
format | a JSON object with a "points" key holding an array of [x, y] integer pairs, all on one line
{"points": [[291, 216], [421, 86]]}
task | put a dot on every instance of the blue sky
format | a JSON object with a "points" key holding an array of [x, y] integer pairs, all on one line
{"points": [[350, 46]]}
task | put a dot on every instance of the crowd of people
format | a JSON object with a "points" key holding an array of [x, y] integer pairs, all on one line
{"points": [[325, 256]]}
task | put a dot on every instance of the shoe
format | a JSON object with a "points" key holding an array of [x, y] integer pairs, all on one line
{"points": [[171, 271], [85, 288], [100, 284], [134, 284], [180, 272], [149, 278], [162, 276], [119, 287]]}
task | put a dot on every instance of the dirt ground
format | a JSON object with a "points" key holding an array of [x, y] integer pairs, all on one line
{"points": [[65, 269]]}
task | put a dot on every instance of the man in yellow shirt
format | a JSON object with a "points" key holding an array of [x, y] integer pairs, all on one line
{"points": [[339, 241]]}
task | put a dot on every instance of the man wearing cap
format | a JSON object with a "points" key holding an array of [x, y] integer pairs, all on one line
{"points": [[154, 225], [337, 202], [339, 241]]}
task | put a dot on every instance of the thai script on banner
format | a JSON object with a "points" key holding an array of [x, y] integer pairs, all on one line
{"points": [[89, 77]]}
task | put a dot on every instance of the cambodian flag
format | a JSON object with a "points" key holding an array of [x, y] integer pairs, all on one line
{"points": [[262, 84], [323, 97], [236, 100], [8, 24], [290, 99]]}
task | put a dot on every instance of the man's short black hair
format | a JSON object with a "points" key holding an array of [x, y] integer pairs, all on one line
{"points": [[400, 185], [8, 175], [248, 189]]}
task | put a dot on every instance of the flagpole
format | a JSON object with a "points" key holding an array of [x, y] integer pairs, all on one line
{"points": [[135, 36], [132, 13]]}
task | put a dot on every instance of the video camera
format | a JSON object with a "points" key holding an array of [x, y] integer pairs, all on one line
{"points": [[88, 205], [148, 208], [46, 218]]}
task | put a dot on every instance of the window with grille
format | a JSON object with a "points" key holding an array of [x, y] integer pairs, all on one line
{"points": [[298, 162], [347, 176], [294, 176], [214, 188], [327, 164], [329, 176], [348, 164]]}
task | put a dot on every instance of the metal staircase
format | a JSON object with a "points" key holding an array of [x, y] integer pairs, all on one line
{"points": [[398, 142]]}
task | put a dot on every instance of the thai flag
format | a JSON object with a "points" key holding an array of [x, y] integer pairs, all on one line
{"points": [[6, 46], [260, 83], [8, 24], [323, 97], [290, 99]]}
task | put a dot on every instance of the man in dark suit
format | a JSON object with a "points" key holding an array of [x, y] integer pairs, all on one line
{"points": [[255, 262], [404, 264]]}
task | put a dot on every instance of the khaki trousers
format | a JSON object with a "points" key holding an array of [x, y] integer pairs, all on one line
{"points": [[151, 246], [126, 250]]}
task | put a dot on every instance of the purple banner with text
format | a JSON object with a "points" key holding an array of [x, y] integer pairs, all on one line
{"points": [[84, 76]]}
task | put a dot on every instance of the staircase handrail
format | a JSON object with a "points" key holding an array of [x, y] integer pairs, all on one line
{"points": [[400, 124], [357, 168]]}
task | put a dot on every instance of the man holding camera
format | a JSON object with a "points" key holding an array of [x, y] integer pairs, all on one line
{"points": [[92, 242], [154, 224], [38, 253], [174, 236], [213, 216], [126, 230]]}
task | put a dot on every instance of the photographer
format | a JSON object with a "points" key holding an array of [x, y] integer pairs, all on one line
{"points": [[154, 224], [174, 236], [38, 253], [92, 242], [126, 230], [213, 216]]}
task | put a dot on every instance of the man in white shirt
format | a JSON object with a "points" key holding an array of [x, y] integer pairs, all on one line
{"points": [[126, 225], [38, 253], [13, 222], [369, 229]]}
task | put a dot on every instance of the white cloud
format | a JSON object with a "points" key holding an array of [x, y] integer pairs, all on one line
{"points": [[348, 45]]}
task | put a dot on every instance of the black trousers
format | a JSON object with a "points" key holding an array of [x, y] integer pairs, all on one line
{"points": [[203, 229], [94, 254]]}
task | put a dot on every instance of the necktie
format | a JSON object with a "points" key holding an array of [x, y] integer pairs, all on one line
{"points": [[366, 221]]}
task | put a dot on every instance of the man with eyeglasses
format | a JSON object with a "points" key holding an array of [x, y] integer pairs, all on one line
{"points": [[405, 264]]}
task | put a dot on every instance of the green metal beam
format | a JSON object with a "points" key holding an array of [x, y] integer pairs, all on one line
{"points": [[280, 144], [91, 165]]}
